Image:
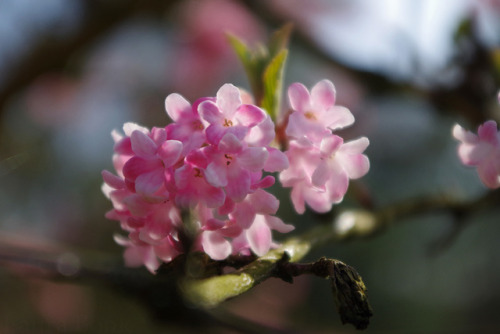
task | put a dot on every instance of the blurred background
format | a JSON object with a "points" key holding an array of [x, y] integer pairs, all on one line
{"points": [[71, 71]]}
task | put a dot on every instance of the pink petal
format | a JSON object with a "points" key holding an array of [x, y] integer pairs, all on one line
{"points": [[337, 184], [228, 99], [142, 145], [253, 158], [136, 166], [210, 112], [197, 159], [123, 146], [297, 197], [214, 133], [356, 165], [116, 136], [130, 127], [215, 245], [112, 180], [277, 224], [488, 132], [266, 182], [262, 134], [250, 115], [213, 224], [259, 236], [474, 154], [170, 152], [229, 143], [355, 146], [216, 175], [159, 135], [299, 97], [323, 94], [318, 201], [214, 197], [264, 202], [165, 252], [238, 185], [227, 207], [463, 135], [134, 255], [337, 118], [330, 145], [277, 161], [322, 174], [176, 105], [149, 183], [244, 214]]}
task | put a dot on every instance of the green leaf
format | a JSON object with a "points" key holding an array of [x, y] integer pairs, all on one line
{"points": [[273, 84], [280, 39], [264, 66]]}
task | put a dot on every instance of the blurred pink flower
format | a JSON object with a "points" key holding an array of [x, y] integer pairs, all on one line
{"points": [[481, 151]]}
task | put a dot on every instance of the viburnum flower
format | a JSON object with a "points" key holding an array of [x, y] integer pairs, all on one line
{"points": [[481, 151], [214, 160], [187, 126], [315, 114], [321, 164], [211, 160], [153, 155], [228, 115]]}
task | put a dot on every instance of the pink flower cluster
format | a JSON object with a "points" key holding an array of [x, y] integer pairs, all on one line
{"points": [[214, 160], [321, 163], [481, 151]]}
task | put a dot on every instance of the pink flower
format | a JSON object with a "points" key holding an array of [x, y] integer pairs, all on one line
{"points": [[187, 127], [320, 163], [481, 151], [193, 188], [145, 171], [258, 237], [211, 160], [228, 115], [315, 114], [231, 165]]}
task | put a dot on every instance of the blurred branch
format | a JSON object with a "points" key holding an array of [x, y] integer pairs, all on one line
{"points": [[53, 53]]}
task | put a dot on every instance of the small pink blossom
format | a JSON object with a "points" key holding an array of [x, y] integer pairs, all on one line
{"points": [[228, 115], [231, 165], [481, 151], [145, 171], [315, 114], [187, 127]]}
